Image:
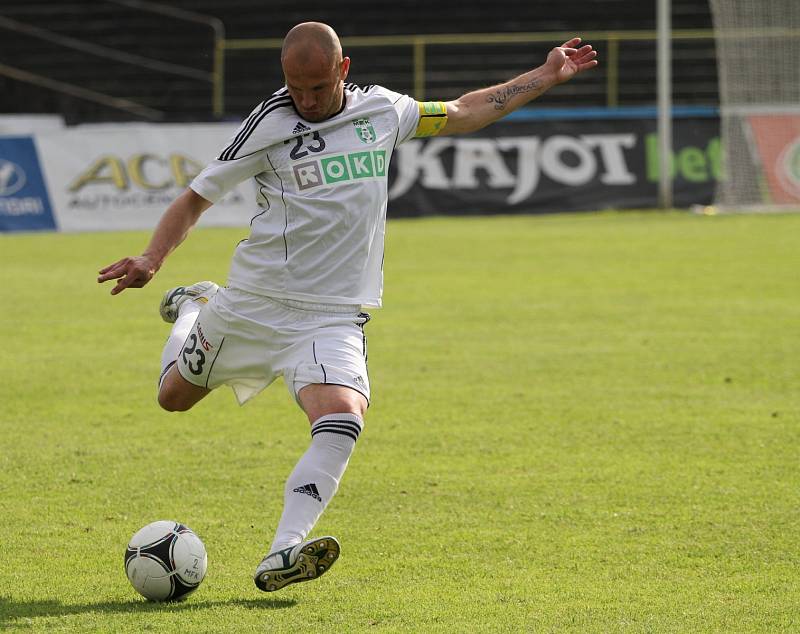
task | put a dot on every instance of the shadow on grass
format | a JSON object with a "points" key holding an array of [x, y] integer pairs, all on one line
{"points": [[11, 610]]}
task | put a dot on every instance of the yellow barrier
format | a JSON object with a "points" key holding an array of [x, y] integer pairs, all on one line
{"points": [[419, 43]]}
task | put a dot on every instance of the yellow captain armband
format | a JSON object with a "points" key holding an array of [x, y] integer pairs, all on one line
{"points": [[432, 118]]}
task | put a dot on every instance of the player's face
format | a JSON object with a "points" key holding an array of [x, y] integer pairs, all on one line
{"points": [[316, 89]]}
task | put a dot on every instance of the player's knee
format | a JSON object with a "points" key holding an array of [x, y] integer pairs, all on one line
{"points": [[176, 394], [173, 401], [170, 404], [345, 407], [320, 399], [356, 404]]}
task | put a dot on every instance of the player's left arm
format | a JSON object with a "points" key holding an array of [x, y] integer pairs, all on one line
{"points": [[479, 108]]}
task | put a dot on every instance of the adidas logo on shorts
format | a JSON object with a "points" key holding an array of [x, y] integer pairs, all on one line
{"points": [[300, 127], [309, 489]]}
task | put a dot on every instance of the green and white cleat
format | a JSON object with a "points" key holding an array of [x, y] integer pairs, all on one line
{"points": [[174, 298], [302, 562]]}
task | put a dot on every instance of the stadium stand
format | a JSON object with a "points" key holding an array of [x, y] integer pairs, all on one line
{"points": [[164, 63]]}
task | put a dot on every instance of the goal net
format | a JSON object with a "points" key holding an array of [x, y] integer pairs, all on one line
{"points": [[758, 58]]}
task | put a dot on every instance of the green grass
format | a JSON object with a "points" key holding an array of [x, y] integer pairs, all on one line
{"points": [[582, 423]]}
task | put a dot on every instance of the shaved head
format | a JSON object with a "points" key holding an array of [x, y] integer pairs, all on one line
{"points": [[315, 70], [311, 41]]}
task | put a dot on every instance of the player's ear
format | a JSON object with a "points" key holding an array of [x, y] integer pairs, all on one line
{"points": [[344, 68]]}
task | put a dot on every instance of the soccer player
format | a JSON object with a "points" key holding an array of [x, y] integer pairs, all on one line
{"points": [[318, 150]]}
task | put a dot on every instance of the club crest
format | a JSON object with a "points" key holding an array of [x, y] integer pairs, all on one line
{"points": [[365, 131]]}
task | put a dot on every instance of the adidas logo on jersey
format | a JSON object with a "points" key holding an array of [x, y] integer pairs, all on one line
{"points": [[300, 128], [309, 489]]}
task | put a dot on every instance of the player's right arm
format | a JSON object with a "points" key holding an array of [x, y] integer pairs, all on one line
{"points": [[242, 158], [178, 219]]}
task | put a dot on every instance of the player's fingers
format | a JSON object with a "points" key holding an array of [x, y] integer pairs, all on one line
{"points": [[571, 43], [113, 266], [110, 275], [135, 278], [113, 273], [588, 56], [121, 286], [130, 280], [138, 282], [587, 65], [579, 53]]}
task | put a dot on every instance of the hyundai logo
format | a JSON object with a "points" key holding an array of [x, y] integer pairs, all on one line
{"points": [[12, 178]]}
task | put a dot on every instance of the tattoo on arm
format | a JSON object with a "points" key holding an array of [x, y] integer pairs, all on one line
{"points": [[500, 97]]}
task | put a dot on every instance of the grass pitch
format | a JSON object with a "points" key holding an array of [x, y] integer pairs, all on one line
{"points": [[581, 423]]}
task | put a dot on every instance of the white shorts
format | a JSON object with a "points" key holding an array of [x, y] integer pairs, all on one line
{"points": [[247, 341]]}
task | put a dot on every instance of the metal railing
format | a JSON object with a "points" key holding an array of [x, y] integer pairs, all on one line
{"points": [[215, 24], [117, 103], [214, 77], [418, 45]]}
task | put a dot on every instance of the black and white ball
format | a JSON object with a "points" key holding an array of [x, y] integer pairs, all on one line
{"points": [[165, 561]]}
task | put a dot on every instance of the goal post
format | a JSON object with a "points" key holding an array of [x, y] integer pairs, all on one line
{"points": [[758, 60]]}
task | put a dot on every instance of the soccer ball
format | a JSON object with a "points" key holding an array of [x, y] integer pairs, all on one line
{"points": [[165, 561]]}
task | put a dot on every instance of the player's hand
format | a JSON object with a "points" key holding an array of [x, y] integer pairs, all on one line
{"points": [[568, 60], [130, 272]]}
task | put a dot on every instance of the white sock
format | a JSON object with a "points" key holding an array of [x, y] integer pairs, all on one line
{"points": [[187, 315], [316, 477]]}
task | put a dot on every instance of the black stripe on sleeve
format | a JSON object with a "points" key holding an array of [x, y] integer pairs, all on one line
{"points": [[243, 128], [286, 101], [230, 152], [264, 104]]}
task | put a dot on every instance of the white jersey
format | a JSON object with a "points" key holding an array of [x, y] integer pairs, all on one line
{"points": [[322, 192]]}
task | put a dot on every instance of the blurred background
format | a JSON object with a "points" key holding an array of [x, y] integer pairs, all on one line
{"points": [[682, 111], [171, 56]]}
